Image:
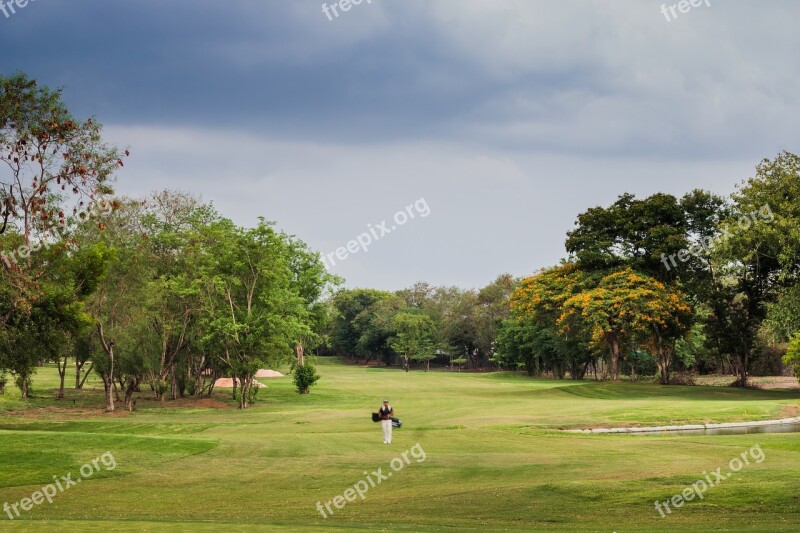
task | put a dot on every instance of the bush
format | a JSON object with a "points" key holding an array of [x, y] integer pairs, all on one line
{"points": [[304, 377]]}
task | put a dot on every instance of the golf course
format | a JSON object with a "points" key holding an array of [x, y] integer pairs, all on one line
{"points": [[495, 456]]}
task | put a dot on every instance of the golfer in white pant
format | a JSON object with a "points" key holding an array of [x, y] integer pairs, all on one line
{"points": [[385, 413]]}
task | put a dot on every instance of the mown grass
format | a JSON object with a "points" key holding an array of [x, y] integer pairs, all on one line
{"points": [[495, 460]]}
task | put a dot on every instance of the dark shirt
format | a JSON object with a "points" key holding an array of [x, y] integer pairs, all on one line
{"points": [[386, 412]]}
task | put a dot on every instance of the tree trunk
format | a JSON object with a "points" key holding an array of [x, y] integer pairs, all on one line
{"points": [[108, 386], [79, 384], [613, 343], [24, 388], [129, 390], [741, 363], [78, 367], [173, 384], [62, 374], [108, 376], [214, 378], [664, 360], [246, 385], [299, 352]]}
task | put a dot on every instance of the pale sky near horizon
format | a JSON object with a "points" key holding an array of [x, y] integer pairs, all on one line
{"points": [[508, 117]]}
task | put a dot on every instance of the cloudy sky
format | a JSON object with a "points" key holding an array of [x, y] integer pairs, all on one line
{"points": [[508, 117]]}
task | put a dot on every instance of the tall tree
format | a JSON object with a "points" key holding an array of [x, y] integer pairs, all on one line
{"points": [[253, 313], [55, 169], [413, 338], [631, 232], [759, 256]]}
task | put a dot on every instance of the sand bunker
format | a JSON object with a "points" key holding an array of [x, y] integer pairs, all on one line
{"points": [[263, 373], [227, 383]]}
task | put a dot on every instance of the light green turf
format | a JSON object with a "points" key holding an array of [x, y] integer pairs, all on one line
{"points": [[495, 458]]}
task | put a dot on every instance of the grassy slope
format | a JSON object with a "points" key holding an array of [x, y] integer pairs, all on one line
{"points": [[494, 458]]}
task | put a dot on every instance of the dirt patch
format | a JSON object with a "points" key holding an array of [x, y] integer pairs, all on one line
{"points": [[756, 382], [204, 403], [777, 382], [790, 411], [65, 413]]}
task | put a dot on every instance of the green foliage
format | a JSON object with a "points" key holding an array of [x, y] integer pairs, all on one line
{"points": [[758, 259], [305, 376], [792, 356], [347, 328], [630, 232], [783, 316], [413, 337]]}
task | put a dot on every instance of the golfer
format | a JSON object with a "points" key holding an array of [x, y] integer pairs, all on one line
{"points": [[385, 413]]}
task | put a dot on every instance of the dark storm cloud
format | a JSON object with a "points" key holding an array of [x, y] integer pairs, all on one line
{"points": [[508, 116], [271, 67]]}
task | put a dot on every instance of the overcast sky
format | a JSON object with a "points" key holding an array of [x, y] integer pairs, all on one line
{"points": [[508, 117]]}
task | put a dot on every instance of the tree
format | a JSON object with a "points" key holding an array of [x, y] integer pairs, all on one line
{"points": [[413, 338], [171, 221], [252, 312], [631, 232], [345, 329], [119, 253], [312, 282], [57, 169], [626, 304], [536, 307], [760, 257], [376, 327]]}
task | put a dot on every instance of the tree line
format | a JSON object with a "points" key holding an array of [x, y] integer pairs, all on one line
{"points": [[166, 294], [701, 283], [161, 292]]}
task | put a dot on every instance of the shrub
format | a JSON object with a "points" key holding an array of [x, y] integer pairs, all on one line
{"points": [[304, 377]]}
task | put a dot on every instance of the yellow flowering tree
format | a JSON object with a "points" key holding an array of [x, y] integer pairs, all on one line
{"points": [[626, 305]]}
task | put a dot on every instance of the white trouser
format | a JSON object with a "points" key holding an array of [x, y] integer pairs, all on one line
{"points": [[387, 430]]}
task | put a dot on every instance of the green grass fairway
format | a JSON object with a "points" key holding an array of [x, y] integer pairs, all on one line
{"points": [[495, 459]]}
